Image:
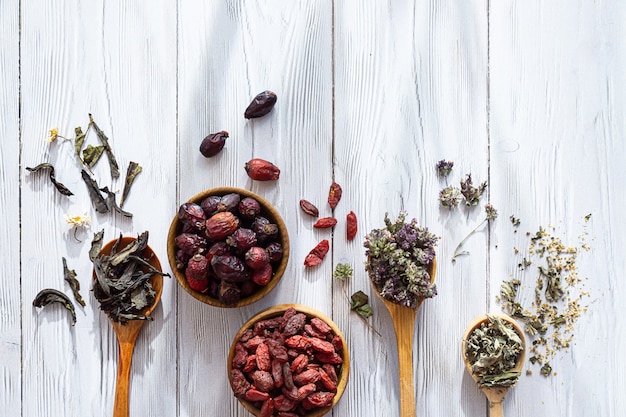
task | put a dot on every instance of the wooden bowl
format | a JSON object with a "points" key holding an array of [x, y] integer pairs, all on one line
{"points": [[276, 311], [268, 211]]}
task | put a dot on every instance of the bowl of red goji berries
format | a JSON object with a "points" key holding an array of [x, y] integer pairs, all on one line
{"points": [[288, 360], [228, 247]]}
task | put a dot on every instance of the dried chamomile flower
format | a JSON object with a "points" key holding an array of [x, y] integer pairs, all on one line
{"points": [[444, 168], [472, 194], [450, 197], [79, 221], [53, 135]]}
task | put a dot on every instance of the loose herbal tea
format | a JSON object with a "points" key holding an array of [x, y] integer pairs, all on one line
{"points": [[399, 257], [493, 350], [70, 278], [50, 295], [60, 187], [550, 312]]}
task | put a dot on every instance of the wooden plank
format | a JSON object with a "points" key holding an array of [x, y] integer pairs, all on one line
{"points": [[411, 90], [557, 155], [229, 52], [118, 62], [10, 336]]}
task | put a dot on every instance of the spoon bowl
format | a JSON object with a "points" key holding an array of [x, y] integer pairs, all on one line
{"points": [[495, 394], [403, 319], [127, 333]]}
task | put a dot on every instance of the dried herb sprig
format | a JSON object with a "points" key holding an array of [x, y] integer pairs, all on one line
{"points": [[491, 214], [359, 301], [444, 168], [70, 278], [399, 256], [472, 194], [60, 187], [115, 171], [450, 197]]}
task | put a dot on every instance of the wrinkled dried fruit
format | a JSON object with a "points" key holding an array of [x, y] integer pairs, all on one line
{"points": [[262, 276], [275, 250], [265, 231], [241, 240], [317, 254], [325, 223], [230, 268], [351, 225], [218, 248], [261, 170], [192, 214], [256, 257], [228, 293], [262, 104], [334, 195], [220, 225], [309, 208], [197, 273], [249, 208], [209, 205], [228, 202], [190, 243], [213, 144]]}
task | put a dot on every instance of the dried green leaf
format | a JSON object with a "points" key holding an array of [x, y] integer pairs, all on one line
{"points": [[97, 200], [91, 155], [79, 140], [110, 199], [546, 369], [70, 277], [133, 170], [96, 244], [115, 172], [49, 295], [60, 187], [360, 304]]}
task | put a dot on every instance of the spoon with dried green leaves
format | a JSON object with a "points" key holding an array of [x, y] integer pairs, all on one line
{"points": [[128, 282], [493, 350], [401, 264]]}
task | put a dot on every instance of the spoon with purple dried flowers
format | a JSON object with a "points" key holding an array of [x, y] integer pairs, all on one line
{"points": [[401, 264]]}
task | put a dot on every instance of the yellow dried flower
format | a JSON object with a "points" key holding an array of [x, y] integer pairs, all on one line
{"points": [[80, 220], [53, 135]]}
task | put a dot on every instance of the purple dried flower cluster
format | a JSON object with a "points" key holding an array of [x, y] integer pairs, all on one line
{"points": [[399, 257], [444, 168], [472, 194]]}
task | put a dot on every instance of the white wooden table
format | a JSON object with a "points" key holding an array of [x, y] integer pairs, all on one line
{"points": [[527, 95]]}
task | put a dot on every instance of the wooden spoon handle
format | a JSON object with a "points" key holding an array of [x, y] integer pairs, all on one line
{"points": [[496, 410], [122, 385], [404, 322]]}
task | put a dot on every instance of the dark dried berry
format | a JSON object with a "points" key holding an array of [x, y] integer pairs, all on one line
{"points": [[197, 273], [218, 248], [241, 240], [275, 251], [209, 205], [264, 229], [256, 257], [261, 170], [309, 208], [213, 144], [191, 214], [262, 104], [230, 268], [181, 259], [248, 288], [190, 243], [249, 208], [228, 293], [220, 225], [262, 276], [228, 202]]}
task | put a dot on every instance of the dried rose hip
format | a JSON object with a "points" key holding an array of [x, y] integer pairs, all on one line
{"points": [[197, 272], [334, 195], [209, 205], [220, 225], [325, 223], [256, 257], [309, 208], [218, 248], [190, 243], [228, 293], [230, 268], [275, 250], [191, 214], [264, 229], [241, 240], [249, 208], [351, 225], [262, 104], [261, 170], [262, 276], [228, 202], [213, 144], [317, 254]]}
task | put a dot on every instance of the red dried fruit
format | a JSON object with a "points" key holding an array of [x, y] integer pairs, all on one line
{"points": [[277, 373], [261, 105], [256, 395], [256, 257], [322, 346], [264, 229], [262, 276], [317, 254], [241, 240], [239, 383], [190, 243], [310, 331], [240, 357], [320, 325], [230, 268], [263, 360], [306, 377], [218, 248], [250, 364], [334, 195], [267, 409], [228, 202], [300, 363], [277, 350], [220, 225], [287, 414], [294, 324], [298, 342], [319, 399], [351, 225], [197, 273], [181, 259], [248, 288], [191, 214], [326, 381], [249, 208], [253, 343], [213, 144], [331, 372], [228, 293], [309, 208], [262, 380], [325, 223], [332, 358], [209, 205], [261, 170], [305, 390], [275, 250]]}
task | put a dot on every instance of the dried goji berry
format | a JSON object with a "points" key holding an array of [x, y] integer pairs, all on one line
{"points": [[256, 395], [334, 195], [309, 208], [317, 254], [263, 360], [325, 223], [351, 225]]}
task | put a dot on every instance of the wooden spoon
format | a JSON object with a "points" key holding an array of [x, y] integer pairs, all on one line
{"points": [[403, 319], [127, 333], [495, 395]]}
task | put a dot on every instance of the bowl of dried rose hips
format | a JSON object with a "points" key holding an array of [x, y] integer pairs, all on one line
{"points": [[289, 359], [228, 247]]}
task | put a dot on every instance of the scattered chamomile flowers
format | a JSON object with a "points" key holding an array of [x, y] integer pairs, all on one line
{"points": [[79, 221]]}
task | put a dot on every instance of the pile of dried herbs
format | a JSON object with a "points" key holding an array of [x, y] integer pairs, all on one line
{"points": [[398, 261], [493, 350], [122, 282], [550, 312]]}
